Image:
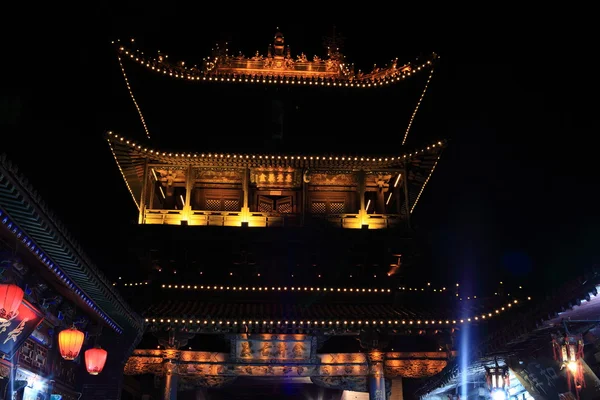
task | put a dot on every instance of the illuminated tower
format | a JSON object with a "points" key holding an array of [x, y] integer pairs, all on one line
{"points": [[288, 265]]}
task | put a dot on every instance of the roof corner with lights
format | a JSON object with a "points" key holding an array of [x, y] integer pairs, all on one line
{"points": [[27, 217]]}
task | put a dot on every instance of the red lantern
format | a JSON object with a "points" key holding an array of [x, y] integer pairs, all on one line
{"points": [[95, 359], [70, 342], [11, 297], [568, 351]]}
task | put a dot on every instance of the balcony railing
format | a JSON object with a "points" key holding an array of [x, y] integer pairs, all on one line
{"points": [[261, 219]]}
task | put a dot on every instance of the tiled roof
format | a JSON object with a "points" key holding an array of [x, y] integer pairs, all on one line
{"points": [[406, 310], [27, 216]]}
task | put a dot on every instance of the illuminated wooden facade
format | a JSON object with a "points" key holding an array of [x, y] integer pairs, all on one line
{"points": [[284, 267], [267, 190]]}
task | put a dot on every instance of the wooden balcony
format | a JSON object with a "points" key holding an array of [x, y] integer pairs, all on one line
{"points": [[260, 219]]}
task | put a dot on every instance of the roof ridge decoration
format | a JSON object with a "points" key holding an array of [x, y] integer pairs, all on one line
{"points": [[71, 243], [277, 67]]}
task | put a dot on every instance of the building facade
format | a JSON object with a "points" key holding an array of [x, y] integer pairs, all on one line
{"points": [[49, 287], [285, 273]]}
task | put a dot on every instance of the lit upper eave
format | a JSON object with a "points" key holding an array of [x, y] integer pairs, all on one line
{"points": [[131, 157], [340, 78]]}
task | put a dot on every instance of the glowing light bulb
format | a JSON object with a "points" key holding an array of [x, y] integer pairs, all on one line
{"points": [[572, 366]]}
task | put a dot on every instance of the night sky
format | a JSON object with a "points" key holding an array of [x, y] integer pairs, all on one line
{"points": [[516, 189]]}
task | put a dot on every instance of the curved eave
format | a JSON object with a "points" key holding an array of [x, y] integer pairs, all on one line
{"points": [[419, 170], [131, 157], [203, 313], [34, 224], [382, 77], [532, 326]]}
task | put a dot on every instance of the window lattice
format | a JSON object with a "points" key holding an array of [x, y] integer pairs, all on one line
{"points": [[34, 355], [232, 205], [265, 207], [213, 204], [284, 208], [318, 207], [337, 207]]}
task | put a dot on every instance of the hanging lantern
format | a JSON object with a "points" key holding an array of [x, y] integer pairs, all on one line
{"points": [[95, 359], [11, 297], [69, 343], [568, 351], [498, 382]]}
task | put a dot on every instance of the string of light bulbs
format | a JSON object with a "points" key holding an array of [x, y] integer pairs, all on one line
{"points": [[412, 117], [328, 323], [424, 184], [137, 107], [345, 290], [220, 157], [123, 175]]}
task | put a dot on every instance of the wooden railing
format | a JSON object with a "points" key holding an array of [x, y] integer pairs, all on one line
{"points": [[261, 219]]}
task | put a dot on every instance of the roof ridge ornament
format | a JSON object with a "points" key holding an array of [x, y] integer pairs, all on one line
{"points": [[279, 67]]}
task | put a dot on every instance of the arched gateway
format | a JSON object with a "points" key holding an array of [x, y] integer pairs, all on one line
{"points": [[285, 273], [286, 359]]}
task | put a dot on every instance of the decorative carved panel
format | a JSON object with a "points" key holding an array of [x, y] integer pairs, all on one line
{"points": [[266, 355], [378, 179], [333, 178], [276, 370], [343, 358], [143, 365], [281, 178], [171, 175], [219, 175], [354, 383], [414, 368], [273, 348]]}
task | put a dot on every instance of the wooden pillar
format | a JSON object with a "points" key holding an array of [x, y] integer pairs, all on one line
{"points": [[397, 393], [380, 204], [304, 196], [144, 191], [189, 187], [376, 380], [396, 191], [406, 199], [152, 188], [246, 194], [246, 185], [171, 381], [201, 394], [361, 176]]}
